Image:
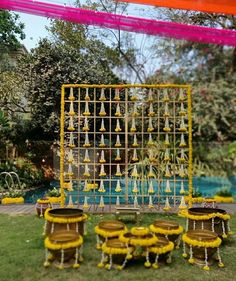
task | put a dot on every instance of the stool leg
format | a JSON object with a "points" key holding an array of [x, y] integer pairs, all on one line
{"points": [[147, 263], [45, 227], [102, 262], [220, 263], [61, 266], [98, 246], [46, 263], [206, 267], [178, 242], [76, 264], [109, 266], [191, 259], [155, 264]]}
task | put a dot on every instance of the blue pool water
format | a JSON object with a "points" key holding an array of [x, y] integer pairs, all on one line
{"points": [[208, 186]]}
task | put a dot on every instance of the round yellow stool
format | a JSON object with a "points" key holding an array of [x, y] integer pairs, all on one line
{"points": [[109, 229], [63, 248]]}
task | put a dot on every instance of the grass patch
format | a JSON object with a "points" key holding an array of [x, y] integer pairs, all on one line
{"points": [[22, 256]]}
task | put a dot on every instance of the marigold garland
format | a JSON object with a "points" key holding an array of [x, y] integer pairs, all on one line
{"points": [[55, 199], [50, 218], [10, 200], [185, 214], [139, 231], [213, 244], [62, 246], [162, 250], [221, 199], [109, 234], [194, 199], [145, 242], [155, 229], [216, 198], [116, 251], [92, 185], [43, 201]]}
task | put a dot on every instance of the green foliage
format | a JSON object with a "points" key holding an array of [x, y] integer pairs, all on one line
{"points": [[27, 172], [214, 159], [53, 192], [12, 93], [224, 192], [210, 69], [196, 193], [4, 123], [14, 194], [51, 65], [11, 31]]}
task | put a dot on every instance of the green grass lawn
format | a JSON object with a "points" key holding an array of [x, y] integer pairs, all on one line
{"points": [[22, 256]]}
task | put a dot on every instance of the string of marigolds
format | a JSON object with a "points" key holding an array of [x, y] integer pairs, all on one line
{"points": [[159, 240], [64, 229], [201, 246], [166, 118]]}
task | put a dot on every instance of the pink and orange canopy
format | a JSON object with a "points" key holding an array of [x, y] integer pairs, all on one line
{"points": [[209, 6], [127, 23]]}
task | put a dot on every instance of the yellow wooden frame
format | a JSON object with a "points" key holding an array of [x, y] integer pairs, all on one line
{"points": [[62, 118]]}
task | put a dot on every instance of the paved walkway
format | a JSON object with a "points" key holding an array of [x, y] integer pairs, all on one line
{"points": [[26, 209]]}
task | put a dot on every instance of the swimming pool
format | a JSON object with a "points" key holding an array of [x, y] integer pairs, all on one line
{"points": [[208, 186]]}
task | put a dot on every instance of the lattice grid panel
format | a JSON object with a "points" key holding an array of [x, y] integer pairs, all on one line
{"points": [[126, 145]]}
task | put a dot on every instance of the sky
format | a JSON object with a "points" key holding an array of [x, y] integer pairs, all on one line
{"points": [[34, 29], [35, 25]]}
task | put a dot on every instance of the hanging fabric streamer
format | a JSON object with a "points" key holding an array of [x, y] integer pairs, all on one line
{"points": [[128, 23], [209, 6]]}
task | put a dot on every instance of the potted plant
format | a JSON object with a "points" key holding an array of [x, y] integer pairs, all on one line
{"points": [[224, 196], [54, 195], [13, 197], [196, 196]]}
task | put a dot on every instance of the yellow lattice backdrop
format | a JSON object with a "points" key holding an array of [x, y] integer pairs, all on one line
{"points": [[126, 144]]}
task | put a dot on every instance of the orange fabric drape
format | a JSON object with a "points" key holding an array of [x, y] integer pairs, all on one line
{"points": [[209, 6]]}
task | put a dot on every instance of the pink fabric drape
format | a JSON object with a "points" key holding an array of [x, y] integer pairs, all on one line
{"points": [[126, 23]]}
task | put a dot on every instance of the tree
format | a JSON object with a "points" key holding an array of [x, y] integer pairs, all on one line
{"points": [[121, 47], [11, 88], [11, 31], [52, 64], [209, 68]]}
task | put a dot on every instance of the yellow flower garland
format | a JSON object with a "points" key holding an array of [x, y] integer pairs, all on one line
{"points": [[55, 199], [116, 251], [9, 200], [50, 218], [162, 250], [185, 214], [138, 241], [139, 231], [166, 231], [214, 244], [109, 234], [216, 198], [62, 246], [92, 186], [194, 199], [221, 199], [43, 201]]}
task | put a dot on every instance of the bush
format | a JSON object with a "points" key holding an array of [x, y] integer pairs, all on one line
{"points": [[53, 192], [224, 192], [29, 175], [196, 193], [14, 194]]}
